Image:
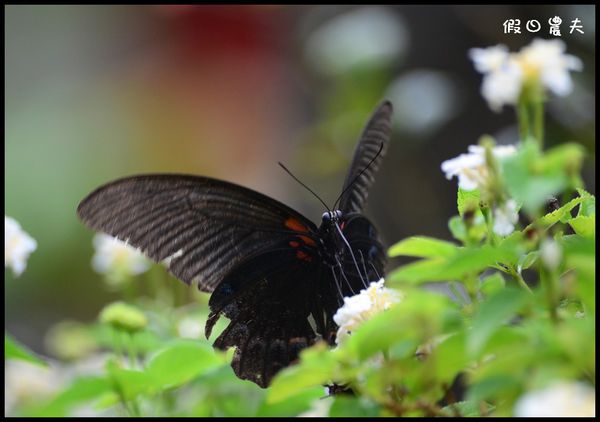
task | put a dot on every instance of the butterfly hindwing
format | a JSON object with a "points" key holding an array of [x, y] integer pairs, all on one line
{"points": [[374, 138], [267, 299], [204, 227]]}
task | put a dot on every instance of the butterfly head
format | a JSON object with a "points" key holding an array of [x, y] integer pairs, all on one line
{"points": [[332, 216]]}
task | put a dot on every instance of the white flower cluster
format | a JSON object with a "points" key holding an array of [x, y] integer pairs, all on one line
{"points": [[471, 168], [361, 307], [473, 173], [560, 399], [506, 215], [505, 73], [17, 246], [115, 255]]}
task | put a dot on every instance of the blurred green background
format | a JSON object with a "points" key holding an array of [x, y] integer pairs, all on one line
{"points": [[94, 93]]}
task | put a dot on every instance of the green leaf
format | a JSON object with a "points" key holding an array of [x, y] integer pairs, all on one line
{"points": [[360, 407], [450, 358], [492, 284], [574, 336], [580, 255], [588, 203], [128, 383], [417, 272], [531, 177], [81, 390], [422, 246], [493, 314], [468, 200], [473, 260], [584, 225], [574, 244], [457, 227], [526, 261], [566, 158], [181, 362], [14, 350], [562, 214], [418, 313], [316, 367], [293, 405], [497, 387], [467, 409], [464, 262]]}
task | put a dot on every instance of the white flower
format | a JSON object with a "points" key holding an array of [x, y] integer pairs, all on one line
{"points": [[546, 59], [505, 73], [361, 307], [471, 168], [505, 218], [17, 246], [489, 59], [551, 254], [560, 399], [27, 383], [503, 78], [503, 86], [190, 327], [114, 255]]}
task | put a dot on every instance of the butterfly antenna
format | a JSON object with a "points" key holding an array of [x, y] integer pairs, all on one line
{"points": [[306, 187], [358, 175]]}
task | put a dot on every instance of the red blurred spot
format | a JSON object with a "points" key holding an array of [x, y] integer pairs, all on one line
{"points": [[206, 29]]}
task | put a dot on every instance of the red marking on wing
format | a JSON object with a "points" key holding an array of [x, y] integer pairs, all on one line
{"points": [[303, 256], [294, 244], [342, 225], [308, 240], [295, 225]]}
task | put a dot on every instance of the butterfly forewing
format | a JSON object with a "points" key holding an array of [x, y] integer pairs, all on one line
{"points": [[204, 226], [373, 140]]}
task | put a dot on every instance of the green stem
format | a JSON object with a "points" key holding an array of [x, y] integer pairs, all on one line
{"points": [[538, 121], [136, 407], [517, 276], [523, 118], [117, 343], [548, 280], [132, 351], [471, 285], [489, 221]]}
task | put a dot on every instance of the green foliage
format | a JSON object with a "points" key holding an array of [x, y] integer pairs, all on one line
{"points": [[492, 314], [511, 336], [532, 177], [14, 350], [507, 337], [520, 317]]}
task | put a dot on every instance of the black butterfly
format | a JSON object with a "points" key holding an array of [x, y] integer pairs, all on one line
{"points": [[277, 276]]}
